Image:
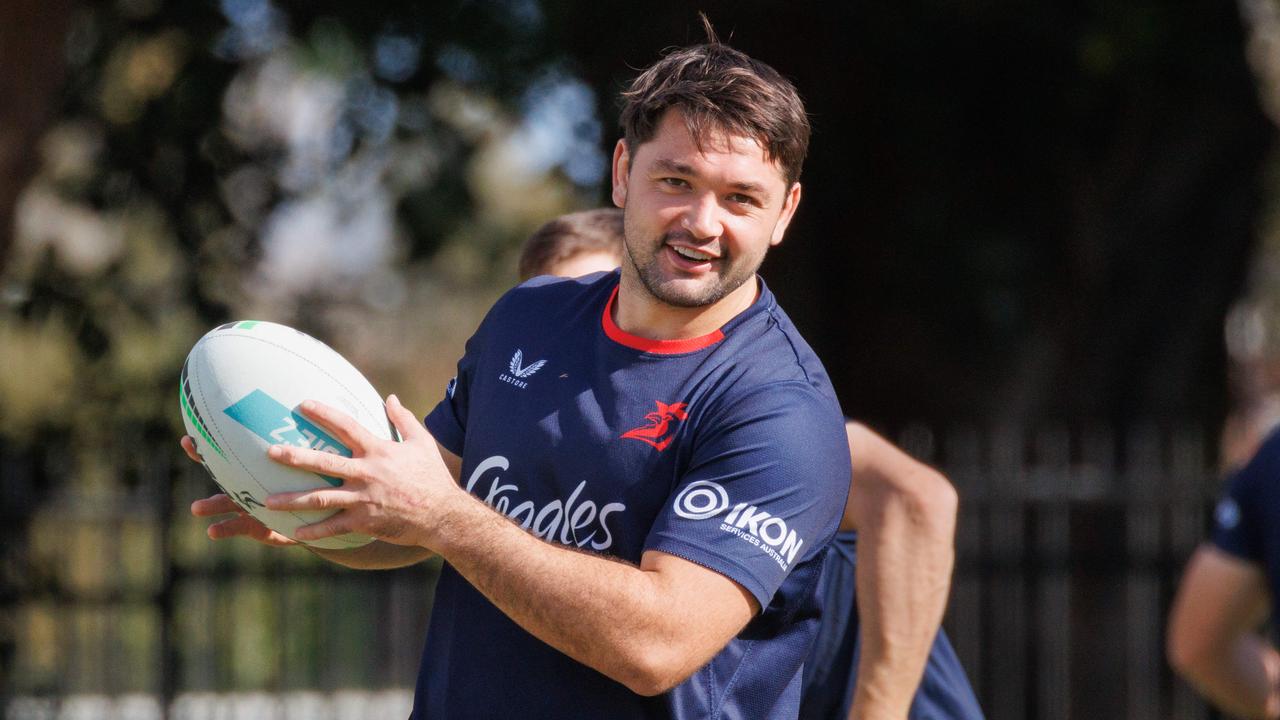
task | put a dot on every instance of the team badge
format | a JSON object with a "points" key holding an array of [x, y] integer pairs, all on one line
{"points": [[659, 431]]}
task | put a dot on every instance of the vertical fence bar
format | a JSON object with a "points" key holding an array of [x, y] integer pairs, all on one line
{"points": [[1005, 544], [162, 476], [1144, 473], [1191, 486], [963, 455], [1052, 482]]}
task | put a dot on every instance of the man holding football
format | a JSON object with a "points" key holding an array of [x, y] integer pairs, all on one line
{"points": [[633, 478]]}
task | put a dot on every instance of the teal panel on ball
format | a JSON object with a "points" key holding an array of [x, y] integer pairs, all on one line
{"points": [[270, 420]]}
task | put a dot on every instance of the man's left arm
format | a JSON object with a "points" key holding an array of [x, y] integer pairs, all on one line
{"points": [[905, 514], [612, 616]]}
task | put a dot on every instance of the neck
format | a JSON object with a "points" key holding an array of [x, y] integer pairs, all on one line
{"points": [[638, 312]]}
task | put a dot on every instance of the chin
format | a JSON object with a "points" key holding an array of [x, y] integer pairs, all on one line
{"points": [[683, 294]]}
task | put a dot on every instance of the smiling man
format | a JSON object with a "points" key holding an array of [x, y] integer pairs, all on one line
{"points": [[634, 477]]}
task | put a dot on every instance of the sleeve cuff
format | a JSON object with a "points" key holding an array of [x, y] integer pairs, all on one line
{"points": [[445, 429], [716, 563]]}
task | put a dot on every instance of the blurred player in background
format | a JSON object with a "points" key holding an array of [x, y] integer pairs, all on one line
{"points": [[574, 245], [1231, 587], [881, 617]]}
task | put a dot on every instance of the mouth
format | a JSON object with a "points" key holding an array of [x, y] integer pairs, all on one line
{"points": [[691, 259]]}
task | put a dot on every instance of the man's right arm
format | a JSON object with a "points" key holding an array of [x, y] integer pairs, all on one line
{"points": [[377, 555], [1213, 641]]}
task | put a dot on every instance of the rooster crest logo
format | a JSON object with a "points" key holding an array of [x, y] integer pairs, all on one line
{"points": [[659, 432], [527, 371]]}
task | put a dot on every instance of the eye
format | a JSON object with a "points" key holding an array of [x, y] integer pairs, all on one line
{"points": [[674, 182], [741, 199]]}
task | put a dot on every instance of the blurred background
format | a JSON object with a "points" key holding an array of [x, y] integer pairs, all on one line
{"points": [[1039, 245]]}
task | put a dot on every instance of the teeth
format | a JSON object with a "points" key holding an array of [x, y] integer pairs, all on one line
{"points": [[692, 254]]}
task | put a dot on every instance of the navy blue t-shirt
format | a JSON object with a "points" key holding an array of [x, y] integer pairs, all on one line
{"points": [[1246, 522], [727, 450]]}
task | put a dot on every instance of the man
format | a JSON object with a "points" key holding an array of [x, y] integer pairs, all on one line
{"points": [[1230, 588], [669, 446], [905, 512]]}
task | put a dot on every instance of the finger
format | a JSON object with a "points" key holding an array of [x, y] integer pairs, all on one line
{"points": [[213, 505], [250, 527], [188, 444], [314, 460], [336, 524], [323, 499], [407, 424], [339, 424]]}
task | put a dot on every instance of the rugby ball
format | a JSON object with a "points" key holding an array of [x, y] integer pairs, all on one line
{"points": [[239, 393]]}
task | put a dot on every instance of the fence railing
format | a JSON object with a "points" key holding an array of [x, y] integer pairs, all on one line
{"points": [[1068, 548]]}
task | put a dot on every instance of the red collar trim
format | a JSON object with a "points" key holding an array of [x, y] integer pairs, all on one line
{"points": [[660, 347]]}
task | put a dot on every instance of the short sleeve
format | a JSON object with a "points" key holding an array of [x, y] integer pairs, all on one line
{"points": [[1238, 522], [764, 490], [448, 420]]}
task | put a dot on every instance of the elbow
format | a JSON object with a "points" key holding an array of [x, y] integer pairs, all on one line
{"points": [[934, 503], [1187, 655], [1193, 654], [651, 671], [649, 686]]}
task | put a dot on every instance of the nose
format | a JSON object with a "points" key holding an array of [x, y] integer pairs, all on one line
{"points": [[702, 219]]}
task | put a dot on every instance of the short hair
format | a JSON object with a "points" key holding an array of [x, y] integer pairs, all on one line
{"points": [[719, 89], [598, 230]]}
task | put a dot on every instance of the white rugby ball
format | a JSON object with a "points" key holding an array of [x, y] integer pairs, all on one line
{"points": [[239, 392]]}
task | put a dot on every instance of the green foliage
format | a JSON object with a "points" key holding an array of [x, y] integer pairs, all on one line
{"points": [[306, 163]]}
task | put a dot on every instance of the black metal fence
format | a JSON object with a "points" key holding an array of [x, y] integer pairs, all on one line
{"points": [[115, 604]]}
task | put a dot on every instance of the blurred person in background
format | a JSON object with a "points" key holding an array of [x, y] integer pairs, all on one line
{"points": [[1231, 586], [574, 245], [881, 618]]}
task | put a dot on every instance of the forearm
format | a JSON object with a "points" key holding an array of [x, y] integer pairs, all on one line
{"points": [[377, 555], [614, 617], [1212, 641], [604, 613], [905, 514], [1241, 678], [903, 577]]}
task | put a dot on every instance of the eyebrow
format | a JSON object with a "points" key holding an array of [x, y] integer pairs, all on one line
{"points": [[680, 168]]}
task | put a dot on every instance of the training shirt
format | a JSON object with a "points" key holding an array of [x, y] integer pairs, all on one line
{"points": [[1246, 522], [727, 450]]}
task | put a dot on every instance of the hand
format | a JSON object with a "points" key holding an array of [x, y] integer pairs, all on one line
{"points": [[400, 492], [243, 524], [188, 444]]}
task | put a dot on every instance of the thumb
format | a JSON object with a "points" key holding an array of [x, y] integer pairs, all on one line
{"points": [[405, 422]]}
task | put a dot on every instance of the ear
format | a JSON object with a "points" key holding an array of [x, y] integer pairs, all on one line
{"points": [[621, 168], [789, 205]]}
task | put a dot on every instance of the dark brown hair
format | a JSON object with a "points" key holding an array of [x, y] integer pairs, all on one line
{"points": [[719, 89], [598, 230]]}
